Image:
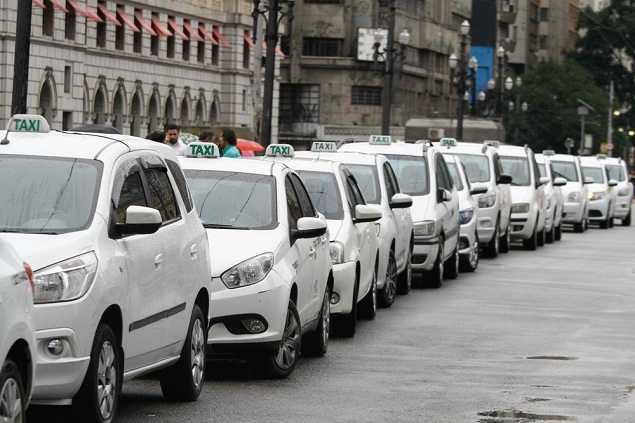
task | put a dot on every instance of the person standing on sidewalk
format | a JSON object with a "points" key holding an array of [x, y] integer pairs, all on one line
{"points": [[172, 131], [228, 144]]}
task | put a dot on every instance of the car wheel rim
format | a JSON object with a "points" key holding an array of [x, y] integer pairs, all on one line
{"points": [[197, 353], [326, 318], [441, 261], [11, 402], [474, 254], [288, 349], [409, 270], [106, 380], [374, 291], [391, 279]]}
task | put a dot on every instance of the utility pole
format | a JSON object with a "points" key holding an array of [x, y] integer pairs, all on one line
{"points": [[21, 58], [386, 94], [609, 134], [257, 89]]}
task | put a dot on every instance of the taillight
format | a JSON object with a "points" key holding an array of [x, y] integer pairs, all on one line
{"points": [[29, 273]]}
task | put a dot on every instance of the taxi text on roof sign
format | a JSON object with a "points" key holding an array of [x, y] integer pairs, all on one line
{"points": [[279, 150], [601, 156], [202, 149], [28, 123], [448, 142], [548, 152], [380, 139], [327, 146]]}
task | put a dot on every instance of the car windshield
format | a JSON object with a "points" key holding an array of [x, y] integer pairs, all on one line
{"points": [[594, 173], [49, 195], [542, 169], [476, 167], [412, 173], [517, 168], [323, 191], [233, 200], [366, 176], [616, 172], [565, 170], [456, 178]]}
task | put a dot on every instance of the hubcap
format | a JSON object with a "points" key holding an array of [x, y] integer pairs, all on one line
{"points": [[197, 353], [326, 317], [391, 279], [106, 380], [11, 402], [373, 288], [474, 253], [288, 350]]}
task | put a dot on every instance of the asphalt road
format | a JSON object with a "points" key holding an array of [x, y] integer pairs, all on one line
{"points": [[529, 337]]}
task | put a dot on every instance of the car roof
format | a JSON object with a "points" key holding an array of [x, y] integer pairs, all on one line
{"points": [[227, 164], [307, 163], [345, 157], [513, 150], [409, 149], [468, 148], [564, 157], [591, 161]]}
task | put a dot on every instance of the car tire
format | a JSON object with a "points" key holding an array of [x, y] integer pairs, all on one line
{"points": [[315, 344], [506, 240], [368, 306], [184, 380], [346, 324], [579, 226], [451, 267], [611, 222], [558, 234], [469, 262], [98, 397], [435, 276], [540, 237], [281, 363], [404, 279], [604, 224], [627, 220], [12, 398], [386, 296], [493, 247], [550, 236], [532, 242]]}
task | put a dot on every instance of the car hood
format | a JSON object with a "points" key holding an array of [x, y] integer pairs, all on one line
{"points": [[334, 228], [597, 187], [421, 208], [522, 194], [40, 250], [229, 247]]}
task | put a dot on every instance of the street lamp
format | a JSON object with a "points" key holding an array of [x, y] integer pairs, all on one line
{"points": [[457, 66], [277, 10], [515, 107], [388, 55], [473, 65], [500, 54]]}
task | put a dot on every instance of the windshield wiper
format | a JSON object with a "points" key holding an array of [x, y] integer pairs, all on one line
{"points": [[221, 226]]}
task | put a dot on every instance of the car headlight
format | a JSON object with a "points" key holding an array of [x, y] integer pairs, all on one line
{"points": [[423, 228], [65, 281], [487, 200], [377, 228], [574, 197], [248, 272], [337, 252], [465, 216], [624, 192], [520, 208], [596, 195]]}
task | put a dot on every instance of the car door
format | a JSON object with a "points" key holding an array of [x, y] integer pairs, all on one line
{"points": [[145, 271], [503, 192], [447, 210], [402, 238]]}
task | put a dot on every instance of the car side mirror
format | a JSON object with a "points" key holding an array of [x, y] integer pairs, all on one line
{"points": [[400, 201], [309, 227], [504, 179], [367, 213], [612, 182], [559, 182], [543, 180], [443, 195], [589, 180], [140, 220]]}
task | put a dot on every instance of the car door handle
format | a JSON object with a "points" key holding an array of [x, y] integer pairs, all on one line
{"points": [[158, 261], [194, 251], [312, 252]]}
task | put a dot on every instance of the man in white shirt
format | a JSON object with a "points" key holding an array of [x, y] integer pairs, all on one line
{"points": [[172, 131]]}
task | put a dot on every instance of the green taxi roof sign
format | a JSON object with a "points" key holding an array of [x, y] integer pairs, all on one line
{"points": [[548, 152], [324, 146], [448, 142], [601, 156], [279, 150], [202, 149], [28, 123], [492, 143], [380, 140]]}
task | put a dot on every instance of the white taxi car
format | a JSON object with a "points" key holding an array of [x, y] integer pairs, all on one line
{"points": [[618, 170], [602, 191], [378, 183], [119, 258], [575, 192], [17, 337], [553, 196], [529, 208], [422, 173], [354, 247], [271, 268], [484, 170], [468, 213]]}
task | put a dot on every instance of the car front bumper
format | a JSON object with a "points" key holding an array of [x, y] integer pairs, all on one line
{"points": [[344, 286], [424, 253]]}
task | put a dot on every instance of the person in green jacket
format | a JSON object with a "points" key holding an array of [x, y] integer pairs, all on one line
{"points": [[228, 144]]}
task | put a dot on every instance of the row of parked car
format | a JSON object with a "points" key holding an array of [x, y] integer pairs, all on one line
{"points": [[141, 262]]}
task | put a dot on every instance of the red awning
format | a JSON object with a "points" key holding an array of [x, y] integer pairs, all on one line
{"points": [[93, 15], [145, 24], [108, 14], [39, 3], [127, 19], [176, 29], [278, 51], [221, 38], [207, 35], [161, 29], [193, 33], [78, 8], [249, 40], [59, 5]]}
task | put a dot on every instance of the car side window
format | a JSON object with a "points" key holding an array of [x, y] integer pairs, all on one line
{"points": [[306, 205], [498, 166], [444, 180], [161, 193], [391, 187], [128, 189], [353, 193], [181, 184], [293, 204], [536, 170]]}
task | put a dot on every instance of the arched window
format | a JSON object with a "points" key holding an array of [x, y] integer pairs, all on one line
{"points": [[153, 112], [119, 108], [136, 111]]}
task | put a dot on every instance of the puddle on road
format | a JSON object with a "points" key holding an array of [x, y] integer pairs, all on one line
{"points": [[516, 416], [551, 357]]}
